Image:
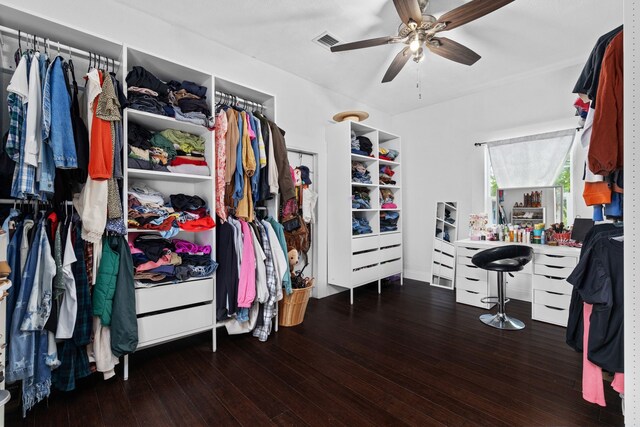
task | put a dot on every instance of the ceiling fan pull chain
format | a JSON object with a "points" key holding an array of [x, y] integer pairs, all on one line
{"points": [[418, 82]]}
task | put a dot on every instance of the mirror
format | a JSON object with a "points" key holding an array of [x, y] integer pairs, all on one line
{"points": [[529, 205]]}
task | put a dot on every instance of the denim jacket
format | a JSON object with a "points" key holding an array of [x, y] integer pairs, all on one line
{"points": [[57, 130], [20, 364]]}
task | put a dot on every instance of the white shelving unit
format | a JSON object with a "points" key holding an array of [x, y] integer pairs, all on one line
{"points": [[538, 215], [443, 264], [171, 311], [355, 260]]}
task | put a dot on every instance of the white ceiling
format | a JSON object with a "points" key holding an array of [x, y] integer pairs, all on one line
{"points": [[524, 37]]}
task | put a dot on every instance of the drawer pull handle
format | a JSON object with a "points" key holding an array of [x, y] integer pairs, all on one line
{"points": [[472, 292], [554, 256], [472, 249], [554, 278], [472, 279], [554, 266], [555, 308], [471, 266], [554, 293]]}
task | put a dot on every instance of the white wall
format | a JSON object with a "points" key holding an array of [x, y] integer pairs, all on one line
{"points": [[303, 109], [442, 164]]}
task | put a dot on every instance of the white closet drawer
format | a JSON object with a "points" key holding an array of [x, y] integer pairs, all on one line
{"points": [[469, 251], [556, 260], [471, 271], [170, 296], [365, 258], [388, 254], [365, 275], [446, 271], [553, 284], [364, 244], [390, 239], [394, 267], [471, 284], [552, 270], [443, 247], [447, 260], [551, 299], [465, 296], [557, 316], [174, 323]]}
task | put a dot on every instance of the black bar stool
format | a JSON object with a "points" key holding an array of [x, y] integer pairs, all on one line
{"points": [[503, 259]]}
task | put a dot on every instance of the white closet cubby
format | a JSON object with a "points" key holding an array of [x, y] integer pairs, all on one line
{"points": [[356, 260], [443, 264]]}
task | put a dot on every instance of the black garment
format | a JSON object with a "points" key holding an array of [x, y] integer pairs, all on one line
{"points": [[575, 325], [365, 145], [146, 103], [153, 246], [6, 169], [599, 278], [263, 181], [140, 77], [146, 165], [138, 136], [188, 105], [182, 202], [196, 260], [588, 81], [227, 272]]}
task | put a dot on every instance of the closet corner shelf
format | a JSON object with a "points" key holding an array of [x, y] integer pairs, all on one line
{"points": [[444, 241], [364, 210], [358, 236], [388, 162], [389, 186], [384, 233], [361, 158], [142, 230], [158, 122], [167, 176], [450, 206], [391, 210], [359, 184], [528, 209]]}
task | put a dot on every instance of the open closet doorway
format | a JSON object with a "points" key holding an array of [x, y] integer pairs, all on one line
{"points": [[307, 193]]}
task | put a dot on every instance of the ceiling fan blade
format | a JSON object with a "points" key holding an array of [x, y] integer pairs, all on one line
{"points": [[408, 9], [397, 64], [453, 50], [363, 43], [473, 10]]}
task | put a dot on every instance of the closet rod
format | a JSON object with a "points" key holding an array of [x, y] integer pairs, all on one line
{"points": [[237, 101], [61, 48]]}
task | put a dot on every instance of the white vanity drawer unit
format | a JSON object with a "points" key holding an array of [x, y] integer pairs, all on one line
{"points": [[542, 281]]}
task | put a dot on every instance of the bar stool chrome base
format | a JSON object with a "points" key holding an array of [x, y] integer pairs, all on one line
{"points": [[502, 321]]}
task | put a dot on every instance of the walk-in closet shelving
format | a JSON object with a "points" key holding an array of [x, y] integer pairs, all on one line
{"points": [[358, 259], [174, 310], [443, 264]]}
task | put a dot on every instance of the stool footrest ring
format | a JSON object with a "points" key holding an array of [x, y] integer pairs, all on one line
{"points": [[493, 300]]}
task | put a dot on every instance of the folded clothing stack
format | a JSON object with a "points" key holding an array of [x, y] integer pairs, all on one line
{"points": [[387, 154], [447, 217], [148, 209], [359, 173], [168, 151], [186, 101], [360, 198], [387, 199], [360, 226], [389, 221], [158, 260], [361, 145], [442, 234], [386, 175]]}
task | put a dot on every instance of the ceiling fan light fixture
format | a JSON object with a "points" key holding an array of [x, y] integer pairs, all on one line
{"points": [[418, 56], [415, 44]]}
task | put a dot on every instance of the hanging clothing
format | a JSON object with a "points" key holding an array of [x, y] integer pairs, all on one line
{"points": [[69, 305], [232, 136], [285, 183], [124, 323], [247, 280], [221, 163], [245, 205], [606, 147], [279, 231], [227, 273]]}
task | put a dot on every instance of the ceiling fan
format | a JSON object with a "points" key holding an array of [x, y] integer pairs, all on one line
{"points": [[419, 29]]}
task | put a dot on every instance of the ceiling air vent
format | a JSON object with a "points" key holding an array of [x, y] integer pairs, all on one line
{"points": [[326, 40]]}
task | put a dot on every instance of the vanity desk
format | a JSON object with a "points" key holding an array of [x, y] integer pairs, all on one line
{"points": [[542, 282]]}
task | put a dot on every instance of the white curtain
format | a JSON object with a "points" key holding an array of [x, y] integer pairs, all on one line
{"points": [[530, 161]]}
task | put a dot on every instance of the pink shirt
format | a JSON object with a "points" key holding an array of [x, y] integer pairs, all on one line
{"points": [[247, 280]]}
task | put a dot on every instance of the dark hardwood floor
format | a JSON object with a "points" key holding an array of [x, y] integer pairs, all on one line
{"points": [[410, 356]]}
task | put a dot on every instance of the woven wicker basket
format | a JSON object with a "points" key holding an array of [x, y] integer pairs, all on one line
{"points": [[292, 307]]}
